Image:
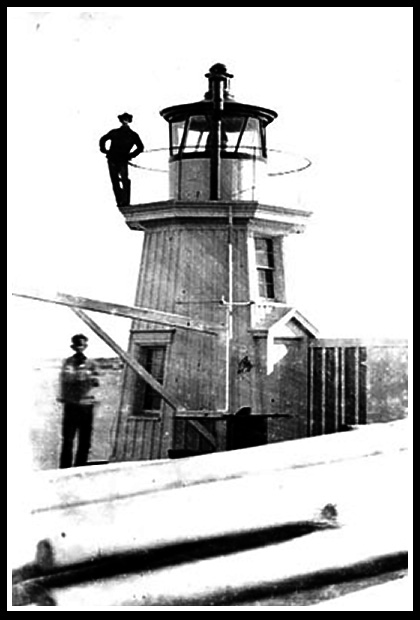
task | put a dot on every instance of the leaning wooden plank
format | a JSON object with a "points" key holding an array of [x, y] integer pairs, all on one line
{"points": [[58, 489], [144, 314], [128, 359], [316, 558], [346, 493]]}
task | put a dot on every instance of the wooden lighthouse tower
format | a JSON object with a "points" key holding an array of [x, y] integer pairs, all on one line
{"points": [[213, 253]]}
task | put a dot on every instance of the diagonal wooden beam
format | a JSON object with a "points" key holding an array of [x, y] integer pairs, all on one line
{"points": [[204, 432], [133, 312], [129, 360]]}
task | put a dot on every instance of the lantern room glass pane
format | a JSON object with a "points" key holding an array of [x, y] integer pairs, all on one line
{"points": [[232, 129], [251, 138], [244, 135], [239, 135], [197, 134], [177, 131]]}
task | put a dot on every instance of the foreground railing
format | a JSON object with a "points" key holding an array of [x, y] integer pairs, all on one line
{"points": [[277, 182]]}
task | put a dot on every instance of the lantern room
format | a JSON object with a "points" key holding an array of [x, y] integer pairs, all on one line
{"points": [[218, 147]]}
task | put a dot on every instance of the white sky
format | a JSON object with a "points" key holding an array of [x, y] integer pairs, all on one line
{"points": [[340, 79]]}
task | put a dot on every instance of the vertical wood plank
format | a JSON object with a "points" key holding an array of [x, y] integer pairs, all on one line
{"points": [[158, 269], [221, 434], [310, 391], [141, 283], [350, 386], [330, 390], [317, 421], [323, 389], [134, 423], [152, 424], [138, 439], [167, 434], [124, 454], [118, 448], [342, 387], [156, 439], [168, 273], [356, 384], [147, 270], [129, 439], [362, 385], [144, 438], [337, 388], [174, 290]]}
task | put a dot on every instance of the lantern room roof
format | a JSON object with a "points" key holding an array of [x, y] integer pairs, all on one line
{"points": [[231, 107]]}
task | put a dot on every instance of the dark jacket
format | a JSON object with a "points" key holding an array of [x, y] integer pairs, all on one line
{"points": [[78, 377], [122, 141]]}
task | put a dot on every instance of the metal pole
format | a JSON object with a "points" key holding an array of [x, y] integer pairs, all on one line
{"points": [[229, 317], [215, 140], [217, 81]]}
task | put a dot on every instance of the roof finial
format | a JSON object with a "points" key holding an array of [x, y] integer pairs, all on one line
{"points": [[218, 72], [219, 69]]}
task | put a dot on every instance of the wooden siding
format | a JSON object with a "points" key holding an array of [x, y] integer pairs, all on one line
{"points": [[192, 285], [184, 270], [141, 439], [312, 390], [337, 378]]}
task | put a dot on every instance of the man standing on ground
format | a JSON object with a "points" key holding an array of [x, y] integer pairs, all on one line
{"points": [[119, 153], [78, 377]]}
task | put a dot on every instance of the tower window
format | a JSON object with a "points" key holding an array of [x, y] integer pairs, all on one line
{"points": [[152, 358], [241, 136], [265, 266]]}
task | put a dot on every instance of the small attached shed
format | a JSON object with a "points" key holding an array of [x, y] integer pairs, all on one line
{"points": [[282, 339]]}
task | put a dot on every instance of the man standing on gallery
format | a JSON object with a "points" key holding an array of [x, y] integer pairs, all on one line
{"points": [[119, 154], [77, 379]]}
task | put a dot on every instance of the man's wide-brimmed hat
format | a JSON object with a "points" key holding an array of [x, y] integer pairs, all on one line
{"points": [[125, 117], [78, 339]]}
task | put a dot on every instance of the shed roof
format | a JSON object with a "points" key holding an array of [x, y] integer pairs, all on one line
{"points": [[283, 315]]}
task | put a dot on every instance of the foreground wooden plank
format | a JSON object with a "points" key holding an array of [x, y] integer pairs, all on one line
{"points": [[242, 576], [353, 482], [393, 596], [332, 589], [347, 493], [54, 490]]}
